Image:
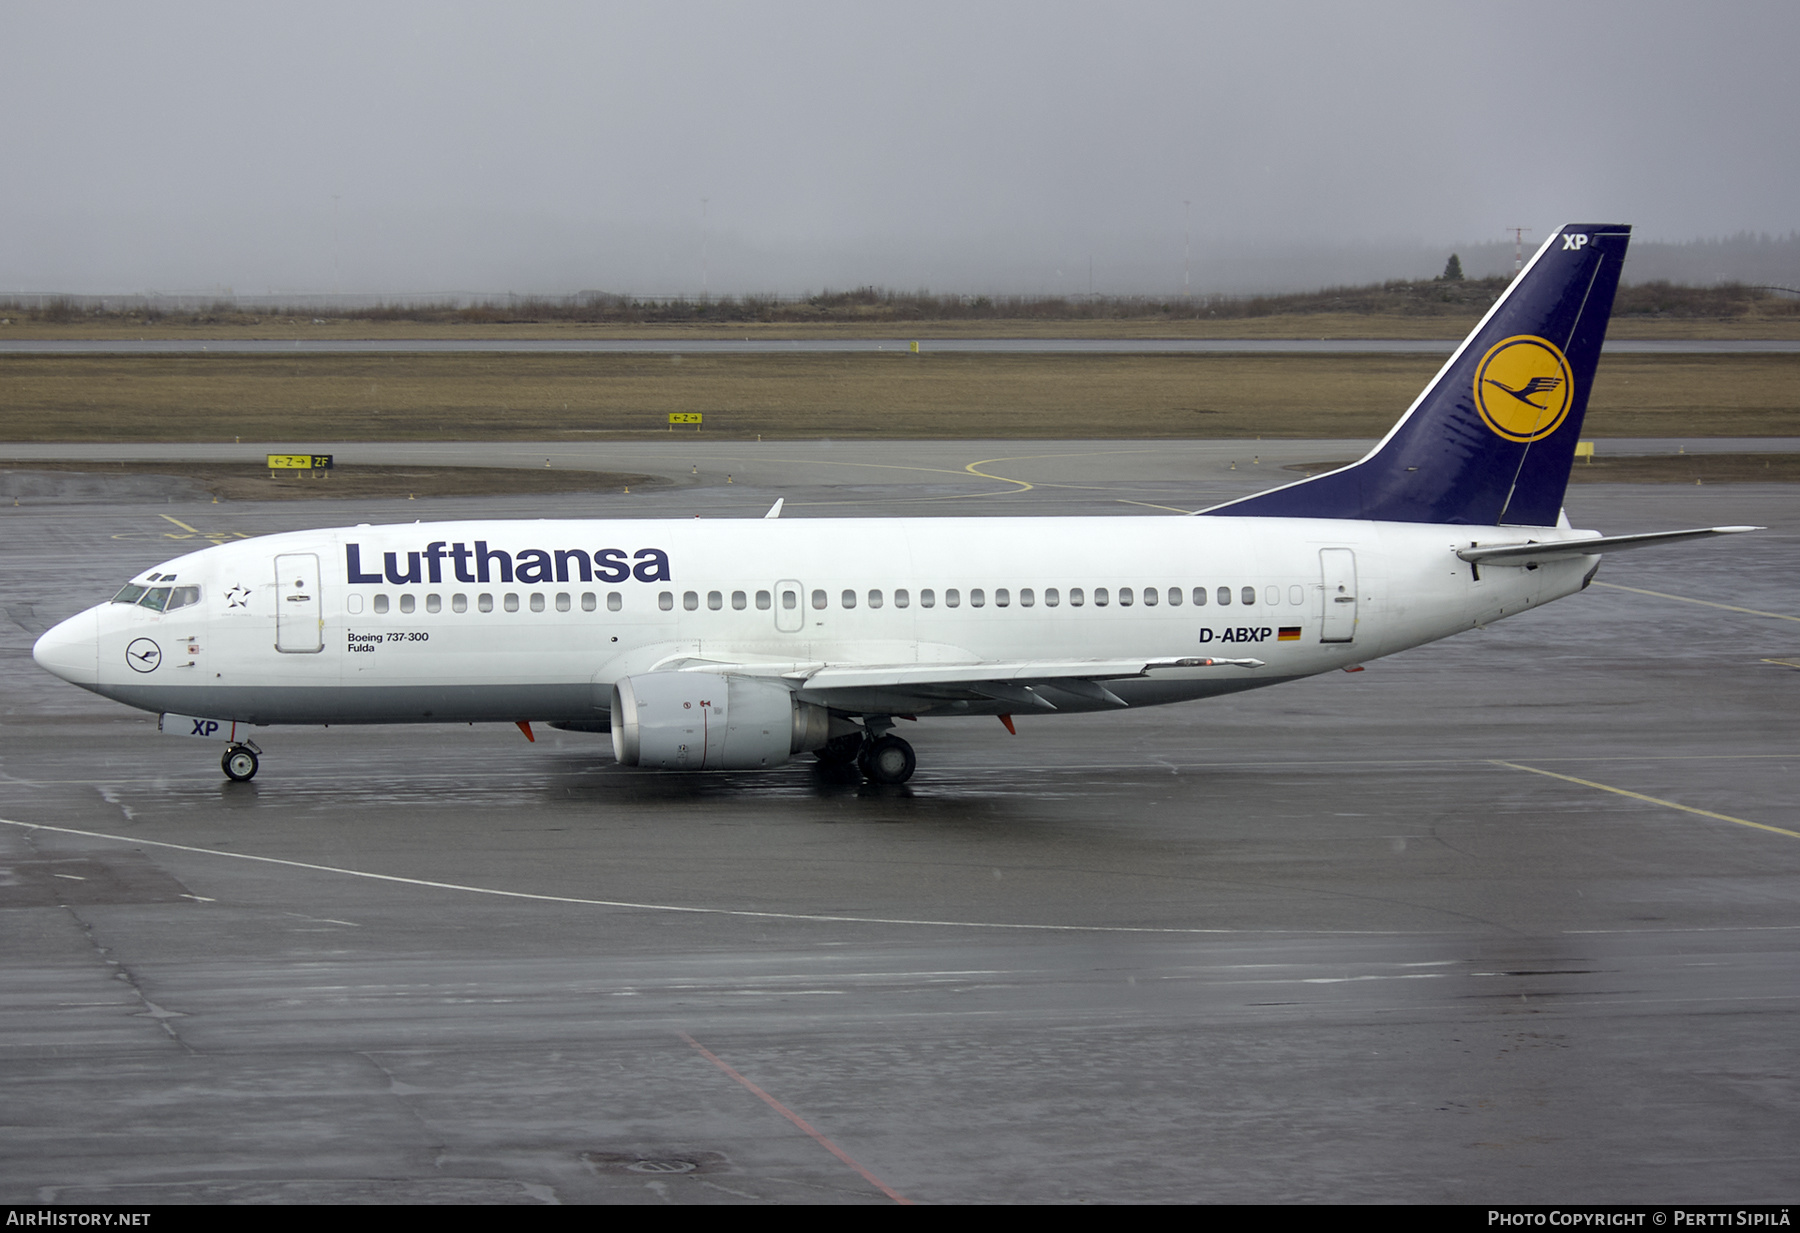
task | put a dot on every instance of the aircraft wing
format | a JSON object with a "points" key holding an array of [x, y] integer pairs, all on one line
{"points": [[1557, 550], [1015, 672], [1001, 681]]}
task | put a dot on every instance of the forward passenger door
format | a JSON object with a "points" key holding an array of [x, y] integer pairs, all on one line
{"points": [[299, 609]]}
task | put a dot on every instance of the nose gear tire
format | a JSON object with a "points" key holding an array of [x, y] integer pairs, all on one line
{"points": [[239, 764]]}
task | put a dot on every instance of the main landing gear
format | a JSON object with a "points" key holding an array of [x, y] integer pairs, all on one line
{"points": [[240, 762], [887, 759], [882, 757]]}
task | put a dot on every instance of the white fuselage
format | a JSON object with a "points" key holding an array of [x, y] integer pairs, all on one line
{"points": [[282, 632]]}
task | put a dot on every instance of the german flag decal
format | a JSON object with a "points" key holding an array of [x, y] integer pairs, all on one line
{"points": [[1289, 633]]}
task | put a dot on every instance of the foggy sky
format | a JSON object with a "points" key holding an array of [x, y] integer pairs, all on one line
{"points": [[789, 147]]}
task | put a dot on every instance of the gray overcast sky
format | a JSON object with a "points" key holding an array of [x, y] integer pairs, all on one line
{"points": [[968, 146]]}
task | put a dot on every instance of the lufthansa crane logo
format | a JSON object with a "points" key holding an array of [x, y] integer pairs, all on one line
{"points": [[1522, 388], [143, 655]]}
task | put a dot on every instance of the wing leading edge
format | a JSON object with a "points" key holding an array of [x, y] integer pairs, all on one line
{"points": [[1010, 682]]}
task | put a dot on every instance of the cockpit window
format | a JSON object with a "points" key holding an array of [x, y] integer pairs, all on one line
{"points": [[158, 599]]}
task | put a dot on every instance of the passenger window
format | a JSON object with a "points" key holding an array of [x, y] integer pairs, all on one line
{"points": [[790, 599], [901, 598], [1199, 597], [977, 598], [381, 603], [459, 603], [537, 601], [1248, 595], [1002, 597], [1150, 597], [740, 601], [818, 600], [614, 601], [1076, 597], [763, 601], [485, 602], [874, 599], [690, 600], [928, 598], [952, 598], [407, 603], [589, 601], [664, 600], [562, 601], [1224, 596], [1174, 597], [715, 601], [353, 604], [848, 598], [1125, 597], [1026, 597], [434, 602], [1271, 595], [1296, 595], [1099, 597], [1052, 597], [511, 602]]}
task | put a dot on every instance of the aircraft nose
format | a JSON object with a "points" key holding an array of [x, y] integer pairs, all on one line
{"points": [[72, 649]]}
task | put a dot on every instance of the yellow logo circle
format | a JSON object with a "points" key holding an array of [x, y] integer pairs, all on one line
{"points": [[1522, 387]]}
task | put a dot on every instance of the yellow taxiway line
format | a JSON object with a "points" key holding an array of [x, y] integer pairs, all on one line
{"points": [[1779, 616], [1654, 800]]}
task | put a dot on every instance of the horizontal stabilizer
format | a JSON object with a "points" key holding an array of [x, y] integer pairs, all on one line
{"points": [[1559, 550]]}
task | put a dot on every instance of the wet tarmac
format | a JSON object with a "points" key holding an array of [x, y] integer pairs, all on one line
{"points": [[1509, 918], [802, 346]]}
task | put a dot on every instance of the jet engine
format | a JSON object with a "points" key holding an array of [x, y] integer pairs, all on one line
{"points": [[704, 721]]}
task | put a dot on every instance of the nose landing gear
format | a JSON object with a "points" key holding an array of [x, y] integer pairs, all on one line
{"points": [[240, 762]]}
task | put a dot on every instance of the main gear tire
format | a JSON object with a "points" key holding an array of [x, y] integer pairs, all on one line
{"points": [[888, 760]]}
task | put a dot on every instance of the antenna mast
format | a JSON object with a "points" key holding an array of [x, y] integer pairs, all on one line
{"points": [[1518, 248]]}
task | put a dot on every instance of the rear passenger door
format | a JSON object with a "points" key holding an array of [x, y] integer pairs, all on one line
{"points": [[1338, 569]]}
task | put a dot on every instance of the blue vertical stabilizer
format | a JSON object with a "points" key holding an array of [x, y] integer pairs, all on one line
{"points": [[1491, 439]]}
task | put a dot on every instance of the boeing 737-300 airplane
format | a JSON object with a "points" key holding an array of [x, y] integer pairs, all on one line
{"points": [[730, 645]]}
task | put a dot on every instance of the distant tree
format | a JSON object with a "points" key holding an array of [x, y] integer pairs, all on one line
{"points": [[1452, 270]]}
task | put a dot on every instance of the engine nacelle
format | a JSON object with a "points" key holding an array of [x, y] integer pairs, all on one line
{"points": [[704, 721]]}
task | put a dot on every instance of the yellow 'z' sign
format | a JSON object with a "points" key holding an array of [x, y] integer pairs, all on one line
{"points": [[299, 462], [684, 417]]}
